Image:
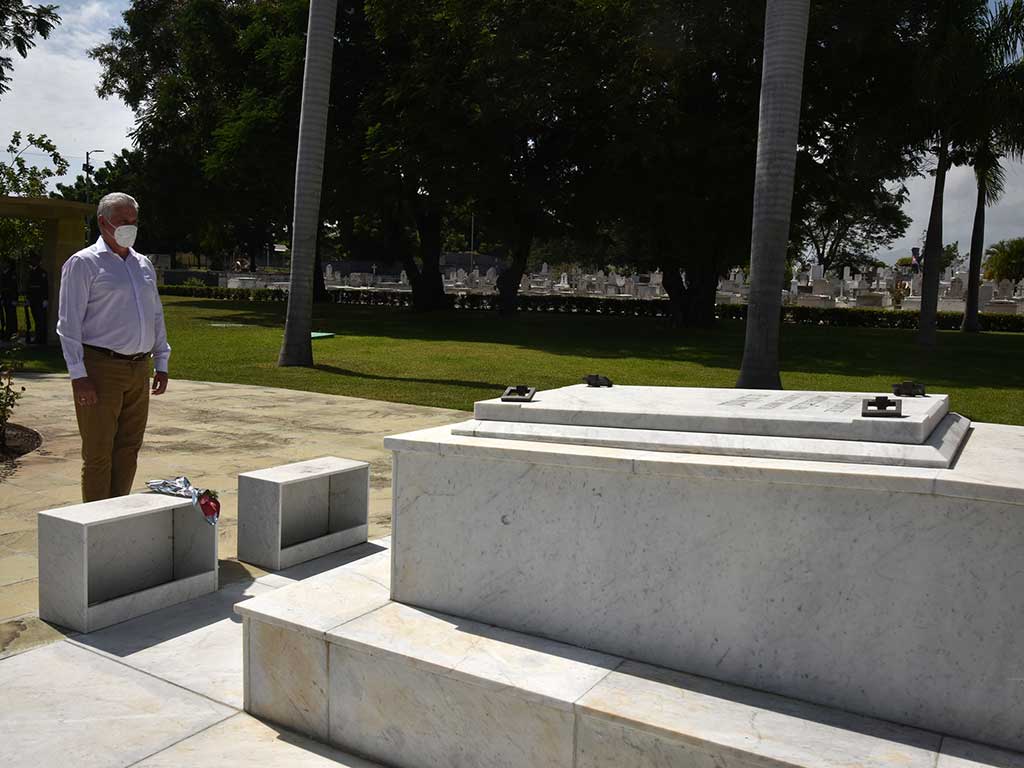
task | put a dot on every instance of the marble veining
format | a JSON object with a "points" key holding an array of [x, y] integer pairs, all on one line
{"points": [[411, 717], [677, 715], [850, 597], [288, 678]]}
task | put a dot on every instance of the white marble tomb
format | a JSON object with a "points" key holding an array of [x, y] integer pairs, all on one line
{"points": [[819, 572]]}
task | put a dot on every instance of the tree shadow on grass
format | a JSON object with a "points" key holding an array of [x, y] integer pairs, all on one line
{"points": [[988, 360], [408, 380]]}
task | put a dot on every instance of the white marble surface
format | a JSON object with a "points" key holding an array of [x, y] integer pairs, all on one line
{"points": [[63, 578], [130, 555], [845, 585], [412, 688], [245, 742], [298, 511], [678, 718], [938, 450], [109, 561], [964, 754], [326, 563], [287, 678], [822, 415], [324, 545], [304, 470], [410, 718], [318, 603], [120, 508], [305, 509], [67, 706], [153, 599], [195, 645]]}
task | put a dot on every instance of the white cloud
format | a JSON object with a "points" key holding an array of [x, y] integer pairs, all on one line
{"points": [[1002, 221], [53, 91]]}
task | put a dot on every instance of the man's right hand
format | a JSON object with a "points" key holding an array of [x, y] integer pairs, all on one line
{"points": [[85, 391]]}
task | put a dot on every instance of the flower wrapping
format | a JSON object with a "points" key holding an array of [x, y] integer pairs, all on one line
{"points": [[205, 501]]}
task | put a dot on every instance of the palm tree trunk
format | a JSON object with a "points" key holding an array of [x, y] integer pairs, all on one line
{"points": [[297, 348], [926, 333], [970, 324], [785, 43]]}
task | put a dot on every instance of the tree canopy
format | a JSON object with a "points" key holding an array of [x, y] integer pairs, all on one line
{"points": [[625, 132], [20, 178], [20, 24]]}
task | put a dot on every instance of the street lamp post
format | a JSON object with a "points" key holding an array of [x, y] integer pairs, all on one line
{"points": [[88, 173]]}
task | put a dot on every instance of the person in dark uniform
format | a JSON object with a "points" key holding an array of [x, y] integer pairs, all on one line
{"points": [[38, 290], [9, 300]]}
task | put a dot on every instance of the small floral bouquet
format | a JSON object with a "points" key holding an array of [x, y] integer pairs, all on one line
{"points": [[206, 500]]}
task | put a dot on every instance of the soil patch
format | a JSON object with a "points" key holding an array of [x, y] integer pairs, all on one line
{"points": [[20, 440]]}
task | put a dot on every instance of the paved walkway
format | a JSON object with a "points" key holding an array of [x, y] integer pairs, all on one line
{"points": [[163, 690], [208, 432]]}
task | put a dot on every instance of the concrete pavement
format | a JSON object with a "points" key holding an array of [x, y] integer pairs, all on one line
{"points": [[209, 432]]}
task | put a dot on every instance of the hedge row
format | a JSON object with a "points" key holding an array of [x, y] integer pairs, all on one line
{"points": [[858, 317]]}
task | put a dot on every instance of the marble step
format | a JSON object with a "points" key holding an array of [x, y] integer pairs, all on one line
{"points": [[336, 659]]}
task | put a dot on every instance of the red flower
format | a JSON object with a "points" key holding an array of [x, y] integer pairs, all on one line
{"points": [[210, 505]]}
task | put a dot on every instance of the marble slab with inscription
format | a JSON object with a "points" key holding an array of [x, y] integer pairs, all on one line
{"points": [[819, 415]]}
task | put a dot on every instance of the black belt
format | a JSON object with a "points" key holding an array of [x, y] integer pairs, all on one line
{"points": [[118, 355]]}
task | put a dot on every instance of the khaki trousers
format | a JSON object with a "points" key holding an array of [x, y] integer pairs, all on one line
{"points": [[112, 430]]}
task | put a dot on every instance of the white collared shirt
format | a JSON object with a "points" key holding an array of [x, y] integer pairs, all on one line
{"points": [[110, 302]]}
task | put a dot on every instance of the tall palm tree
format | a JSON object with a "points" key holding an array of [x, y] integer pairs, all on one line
{"points": [[782, 76], [297, 348], [972, 80], [1000, 129], [990, 176]]}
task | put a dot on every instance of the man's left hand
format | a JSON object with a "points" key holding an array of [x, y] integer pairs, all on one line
{"points": [[159, 383]]}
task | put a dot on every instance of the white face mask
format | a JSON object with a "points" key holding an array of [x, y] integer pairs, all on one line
{"points": [[125, 235]]}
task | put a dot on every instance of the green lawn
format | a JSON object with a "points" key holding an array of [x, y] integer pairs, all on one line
{"points": [[453, 360]]}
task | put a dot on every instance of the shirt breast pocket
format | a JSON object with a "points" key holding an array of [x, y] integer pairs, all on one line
{"points": [[149, 294]]}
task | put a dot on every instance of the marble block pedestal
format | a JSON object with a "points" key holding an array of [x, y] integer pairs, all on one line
{"points": [[887, 590], [296, 512], [108, 561], [334, 658]]}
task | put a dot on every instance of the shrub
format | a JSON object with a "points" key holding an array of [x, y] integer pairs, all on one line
{"points": [[857, 317], [10, 393]]}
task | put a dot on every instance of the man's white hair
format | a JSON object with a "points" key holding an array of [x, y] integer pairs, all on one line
{"points": [[113, 201]]}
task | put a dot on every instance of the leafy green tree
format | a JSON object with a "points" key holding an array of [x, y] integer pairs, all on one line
{"points": [[19, 178], [674, 179], [178, 65], [785, 40], [1005, 260], [855, 148], [536, 70], [20, 24]]}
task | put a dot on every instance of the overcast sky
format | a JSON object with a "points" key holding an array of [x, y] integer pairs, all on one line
{"points": [[54, 92]]}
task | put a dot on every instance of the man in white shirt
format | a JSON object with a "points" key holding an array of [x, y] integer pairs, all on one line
{"points": [[110, 322]]}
